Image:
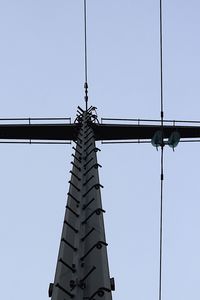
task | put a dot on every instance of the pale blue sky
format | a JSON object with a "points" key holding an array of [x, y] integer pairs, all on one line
{"points": [[42, 75]]}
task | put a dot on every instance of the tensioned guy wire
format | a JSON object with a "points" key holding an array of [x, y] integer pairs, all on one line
{"points": [[85, 54], [162, 152]]}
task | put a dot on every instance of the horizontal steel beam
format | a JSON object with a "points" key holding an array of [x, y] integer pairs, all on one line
{"points": [[61, 132], [143, 132], [67, 132]]}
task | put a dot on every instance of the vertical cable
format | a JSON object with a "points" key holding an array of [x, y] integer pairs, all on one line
{"points": [[85, 54], [161, 220], [162, 150], [161, 64]]}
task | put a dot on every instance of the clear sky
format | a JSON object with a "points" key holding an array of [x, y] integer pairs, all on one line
{"points": [[42, 75]]}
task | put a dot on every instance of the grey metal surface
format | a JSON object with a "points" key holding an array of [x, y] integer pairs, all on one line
{"points": [[82, 268]]}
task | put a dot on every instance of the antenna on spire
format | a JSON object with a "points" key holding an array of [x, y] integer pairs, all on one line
{"points": [[85, 56]]}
